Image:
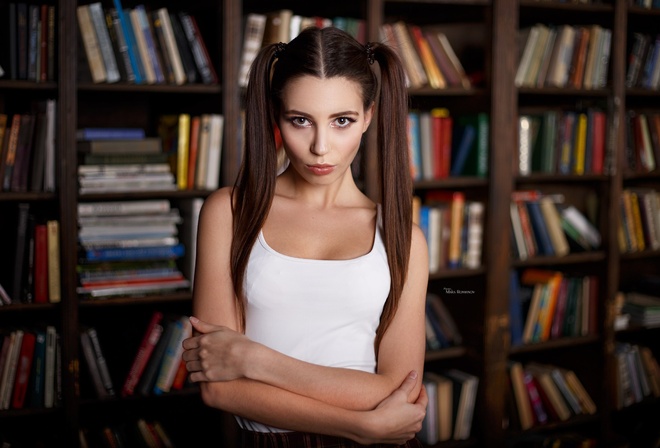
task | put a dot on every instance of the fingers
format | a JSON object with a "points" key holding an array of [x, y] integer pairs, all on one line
{"points": [[201, 326], [423, 399], [409, 383]]}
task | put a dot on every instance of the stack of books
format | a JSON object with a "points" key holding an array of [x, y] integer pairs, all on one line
{"points": [[637, 374], [122, 159], [640, 220], [129, 248]]}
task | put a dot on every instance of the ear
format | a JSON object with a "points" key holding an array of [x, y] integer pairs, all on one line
{"points": [[368, 115]]}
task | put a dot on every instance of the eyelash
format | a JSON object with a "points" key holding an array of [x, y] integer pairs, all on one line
{"points": [[295, 121]]}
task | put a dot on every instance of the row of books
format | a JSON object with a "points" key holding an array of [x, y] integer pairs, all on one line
{"points": [[30, 361], [544, 393], [642, 309], [428, 57], [157, 366], [562, 142], [637, 374], [546, 304], [644, 62], [453, 227], [31, 45], [563, 56], [36, 270], [283, 25], [141, 46], [648, 4], [639, 227], [27, 160], [129, 248], [141, 432], [543, 225], [452, 394], [642, 141], [441, 329], [443, 146]]}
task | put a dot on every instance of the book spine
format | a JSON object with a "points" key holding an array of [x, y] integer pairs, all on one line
{"points": [[198, 50], [23, 370], [147, 345], [101, 361], [105, 45], [54, 285], [138, 253]]}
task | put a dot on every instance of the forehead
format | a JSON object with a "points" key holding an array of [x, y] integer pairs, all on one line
{"points": [[316, 95]]}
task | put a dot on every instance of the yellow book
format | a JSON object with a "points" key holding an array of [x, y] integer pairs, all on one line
{"points": [[54, 286], [637, 221], [580, 144], [182, 151]]}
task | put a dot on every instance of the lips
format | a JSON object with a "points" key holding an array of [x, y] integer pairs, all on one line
{"points": [[321, 170]]}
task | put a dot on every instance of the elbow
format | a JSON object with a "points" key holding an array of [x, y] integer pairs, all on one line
{"points": [[211, 396]]}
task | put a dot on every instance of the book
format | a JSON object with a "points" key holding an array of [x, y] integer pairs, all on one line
{"points": [[171, 46], [150, 145], [253, 34], [172, 357], [182, 151], [198, 47], [92, 365], [429, 432], [110, 208], [214, 157], [129, 40], [53, 243], [91, 44], [149, 340], [464, 392], [104, 44], [147, 380], [555, 399], [523, 405], [35, 397], [10, 367], [23, 369], [51, 371]]}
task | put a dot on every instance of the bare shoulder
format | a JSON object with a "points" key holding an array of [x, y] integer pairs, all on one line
{"points": [[418, 241], [218, 203]]}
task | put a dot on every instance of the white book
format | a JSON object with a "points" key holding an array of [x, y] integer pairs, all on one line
{"points": [[202, 152], [426, 145], [524, 145], [582, 224], [253, 35], [526, 54], [172, 49], [215, 152], [123, 207], [475, 230], [91, 44], [435, 238]]}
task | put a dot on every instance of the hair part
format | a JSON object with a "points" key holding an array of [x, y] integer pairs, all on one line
{"points": [[324, 53]]}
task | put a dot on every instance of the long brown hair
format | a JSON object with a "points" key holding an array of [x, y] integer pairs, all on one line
{"points": [[325, 53]]}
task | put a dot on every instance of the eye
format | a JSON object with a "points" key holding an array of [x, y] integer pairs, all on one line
{"points": [[343, 122], [299, 122]]}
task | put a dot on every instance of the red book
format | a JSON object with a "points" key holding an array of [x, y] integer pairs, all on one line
{"points": [[598, 145], [23, 369], [146, 348], [40, 263], [195, 123], [180, 377]]}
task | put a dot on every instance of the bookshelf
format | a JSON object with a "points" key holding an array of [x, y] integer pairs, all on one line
{"points": [[483, 316]]}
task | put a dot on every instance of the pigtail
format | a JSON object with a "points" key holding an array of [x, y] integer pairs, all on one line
{"points": [[254, 187], [395, 180]]}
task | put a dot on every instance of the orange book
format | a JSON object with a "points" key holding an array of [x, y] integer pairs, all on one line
{"points": [[433, 73], [553, 281], [456, 202]]}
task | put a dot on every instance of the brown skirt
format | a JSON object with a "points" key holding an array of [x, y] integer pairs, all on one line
{"points": [[252, 439]]}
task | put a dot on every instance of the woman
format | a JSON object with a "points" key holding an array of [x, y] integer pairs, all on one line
{"points": [[308, 296]]}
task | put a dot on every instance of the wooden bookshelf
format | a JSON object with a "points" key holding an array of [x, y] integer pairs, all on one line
{"points": [[483, 317]]}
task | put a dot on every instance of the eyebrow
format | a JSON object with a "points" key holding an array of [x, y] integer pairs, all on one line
{"points": [[335, 115]]}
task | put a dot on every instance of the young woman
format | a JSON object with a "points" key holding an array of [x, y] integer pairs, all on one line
{"points": [[308, 296]]}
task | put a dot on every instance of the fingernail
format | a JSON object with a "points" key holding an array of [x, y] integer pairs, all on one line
{"points": [[413, 374], [193, 319]]}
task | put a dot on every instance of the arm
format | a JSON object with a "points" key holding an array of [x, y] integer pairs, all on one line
{"points": [[225, 354], [213, 302]]}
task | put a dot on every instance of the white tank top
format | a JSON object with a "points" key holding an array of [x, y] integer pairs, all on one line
{"points": [[325, 312]]}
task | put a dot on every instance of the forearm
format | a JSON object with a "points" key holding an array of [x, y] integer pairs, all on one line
{"points": [[342, 387], [279, 408]]}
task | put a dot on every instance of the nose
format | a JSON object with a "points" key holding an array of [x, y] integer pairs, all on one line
{"points": [[320, 144]]}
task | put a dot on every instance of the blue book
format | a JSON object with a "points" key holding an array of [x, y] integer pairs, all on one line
{"points": [[515, 309], [130, 43], [414, 145], [38, 374], [135, 253], [110, 134], [539, 228], [424, 217], [465, 145]]}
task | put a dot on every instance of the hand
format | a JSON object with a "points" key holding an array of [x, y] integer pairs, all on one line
{"points": [[395, 420], [215, 353]]}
